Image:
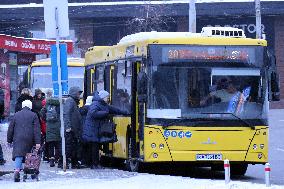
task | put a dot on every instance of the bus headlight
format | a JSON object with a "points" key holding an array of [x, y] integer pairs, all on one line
{"points": [[153, 145], [254, 147], [261, 146], [155, 155]]}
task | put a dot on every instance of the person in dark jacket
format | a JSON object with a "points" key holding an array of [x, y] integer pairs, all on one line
{"points": [[23, 133], [38, 104], [86, 156], [72, 125], [2, 107], [2, 104], [26, 94], [53, 138], [98, 112]]}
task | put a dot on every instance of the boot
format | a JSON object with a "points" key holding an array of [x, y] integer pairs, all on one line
{"points": [[60, 163], [52, 162], [17, 176]]}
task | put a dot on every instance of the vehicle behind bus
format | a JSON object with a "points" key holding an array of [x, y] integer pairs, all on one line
{"points": [[194, 98], [39, 74]]}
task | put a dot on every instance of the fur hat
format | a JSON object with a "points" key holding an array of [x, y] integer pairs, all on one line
{"points": [[103, 94], [89, 100], [27, 103]]}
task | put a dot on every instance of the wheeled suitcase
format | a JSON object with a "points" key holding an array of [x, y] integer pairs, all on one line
{"points": [[32, 163]]}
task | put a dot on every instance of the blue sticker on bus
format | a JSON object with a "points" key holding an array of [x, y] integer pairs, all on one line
{"points": [[181, 134], [188, 134], [174, 134], [167, 133]]}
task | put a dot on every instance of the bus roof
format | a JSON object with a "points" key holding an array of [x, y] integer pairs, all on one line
{"points": [[76, 62], [137, 44]]}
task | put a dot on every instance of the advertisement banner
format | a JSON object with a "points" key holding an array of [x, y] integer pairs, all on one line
{"points": [[37, 46]]}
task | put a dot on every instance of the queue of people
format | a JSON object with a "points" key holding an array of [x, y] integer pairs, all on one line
{"points": [[37, 123]]}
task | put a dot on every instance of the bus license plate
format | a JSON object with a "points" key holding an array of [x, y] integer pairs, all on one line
{"points": [[209, 157]]}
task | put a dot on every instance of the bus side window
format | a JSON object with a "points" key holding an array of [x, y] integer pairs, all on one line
{"points": [[99, 78], [122, 88]]}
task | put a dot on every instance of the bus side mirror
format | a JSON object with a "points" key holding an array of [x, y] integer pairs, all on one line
{"points": [[274, 87], [142, 81]]}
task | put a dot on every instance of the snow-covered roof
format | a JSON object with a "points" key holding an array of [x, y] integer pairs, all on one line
{"points": [[155, 35], [71, 59], [156, 2], [206, 32]]}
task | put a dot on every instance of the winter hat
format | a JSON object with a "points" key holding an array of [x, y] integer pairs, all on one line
{"points": [[89, 100], [27, 103], [103, 94]]}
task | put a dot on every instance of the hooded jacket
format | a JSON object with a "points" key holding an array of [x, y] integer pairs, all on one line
{"points": [[96, 117], [37, 103], [53, 128], [71, 114]]}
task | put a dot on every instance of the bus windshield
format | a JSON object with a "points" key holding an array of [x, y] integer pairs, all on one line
{"points": [[41, 77], [193, 87]]}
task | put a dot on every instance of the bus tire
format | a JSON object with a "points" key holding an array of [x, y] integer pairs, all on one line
{"points": [[239, 169]]}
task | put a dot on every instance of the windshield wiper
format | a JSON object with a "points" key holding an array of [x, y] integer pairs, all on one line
{"points": [[229, 113], [195, 121]]}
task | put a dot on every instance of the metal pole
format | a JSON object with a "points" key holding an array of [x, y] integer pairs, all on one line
{"points": [[267, 175], [227, 171], [258, 19], [60, 92], [192, 17]]}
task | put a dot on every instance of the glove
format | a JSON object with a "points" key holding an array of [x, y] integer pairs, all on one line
{"points": [[68, 130], [37, 147]]}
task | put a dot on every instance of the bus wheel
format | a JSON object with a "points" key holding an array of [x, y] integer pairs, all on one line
{"points": [[239, 169]]}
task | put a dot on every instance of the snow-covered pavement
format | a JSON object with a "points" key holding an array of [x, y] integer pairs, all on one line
{"points": [[139, 181]]}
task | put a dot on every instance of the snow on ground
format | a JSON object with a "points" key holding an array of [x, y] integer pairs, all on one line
{"points": [[140, 181]]}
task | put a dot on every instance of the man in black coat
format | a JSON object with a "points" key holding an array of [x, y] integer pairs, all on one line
{"points": [[2, 104], [72, 125], [23, 133], [2, 107], [98, 113]]}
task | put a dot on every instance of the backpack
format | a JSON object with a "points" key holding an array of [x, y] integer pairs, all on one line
{"points": [[51, 113]]}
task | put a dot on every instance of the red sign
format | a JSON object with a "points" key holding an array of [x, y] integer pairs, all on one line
{"points": [[37, 46]]}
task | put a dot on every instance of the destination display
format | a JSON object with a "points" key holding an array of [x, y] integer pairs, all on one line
{"points": [[209, 53]]}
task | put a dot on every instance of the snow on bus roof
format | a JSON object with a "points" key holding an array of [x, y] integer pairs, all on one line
{"points": [[155, 35], [71, 59]]}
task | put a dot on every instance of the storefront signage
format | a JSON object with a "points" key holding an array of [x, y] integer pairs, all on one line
{"points": [[37, 46]]}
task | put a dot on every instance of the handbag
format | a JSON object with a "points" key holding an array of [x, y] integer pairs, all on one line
{"points": [[107, 133]]}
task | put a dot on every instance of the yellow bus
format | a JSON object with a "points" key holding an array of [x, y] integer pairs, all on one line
{"points": [[194, 97], [39, 74]]}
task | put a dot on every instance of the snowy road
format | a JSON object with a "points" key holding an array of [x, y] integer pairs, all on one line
{"points": [[139, 181]]}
